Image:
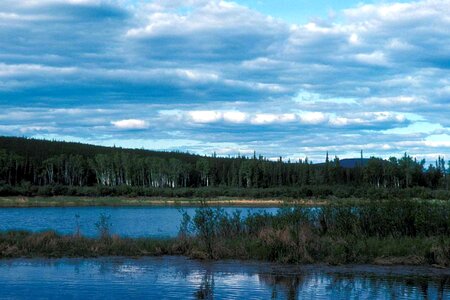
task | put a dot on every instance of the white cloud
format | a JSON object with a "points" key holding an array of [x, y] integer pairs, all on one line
{"points": [[386, 116], [376, 58], [266, 118], [205, 116], [393, 101], [368, 119], [354, 39], [301, 118], [313, 117], [130, 124], [234, 116], [224, 66], [33, 70], [32, 129], [203, 17]]}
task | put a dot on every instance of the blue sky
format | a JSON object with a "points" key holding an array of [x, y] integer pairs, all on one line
{"points": [[292, 78], [300, 11]]}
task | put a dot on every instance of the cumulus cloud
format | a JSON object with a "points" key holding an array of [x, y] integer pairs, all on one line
{"points": [[234, 116], [222, 50], [130, 124], [272, 118], [372, 119], [313, 117], [238, 117], [227, 72], [205, 116], [301, 119]]}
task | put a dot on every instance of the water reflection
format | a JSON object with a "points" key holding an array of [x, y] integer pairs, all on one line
{"points": [[206, 288], [180, 278]]}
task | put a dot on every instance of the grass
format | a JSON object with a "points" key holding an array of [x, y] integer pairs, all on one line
{"points": [[68, 201], [78, 201], [389, 232], [51, 244], [344, 250], [25, 195]]}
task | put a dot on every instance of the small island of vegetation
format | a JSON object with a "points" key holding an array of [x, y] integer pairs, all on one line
{"points": [[387, 232]]}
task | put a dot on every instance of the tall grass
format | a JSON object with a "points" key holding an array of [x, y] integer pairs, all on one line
{"points": [[401, 232], [374, 219], [338, 233]]}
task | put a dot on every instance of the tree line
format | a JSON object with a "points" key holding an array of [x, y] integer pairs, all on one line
{"points": [[42, 163]]}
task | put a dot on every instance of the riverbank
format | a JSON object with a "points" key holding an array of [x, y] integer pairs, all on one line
{"points": [[330, 250], [73, 201], [107, 201], [401, 232]]}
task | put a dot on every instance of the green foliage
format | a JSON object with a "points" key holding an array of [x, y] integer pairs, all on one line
{"points": [[338, 233], [31, 167], [398, 232]]}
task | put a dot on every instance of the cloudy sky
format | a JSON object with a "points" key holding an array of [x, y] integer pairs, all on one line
{"points": [[289, 77]]}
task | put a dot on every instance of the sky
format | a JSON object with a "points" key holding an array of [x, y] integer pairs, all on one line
{"points": [[291, 78]]}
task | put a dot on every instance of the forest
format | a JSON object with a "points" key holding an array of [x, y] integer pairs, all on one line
{"points": [[41, 167]]}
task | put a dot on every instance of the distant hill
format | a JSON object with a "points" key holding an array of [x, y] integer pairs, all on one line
{"points": [[351, 163], [44, 148]]}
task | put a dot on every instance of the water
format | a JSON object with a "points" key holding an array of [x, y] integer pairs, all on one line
{"points": [[126, 221], [180, 278]]}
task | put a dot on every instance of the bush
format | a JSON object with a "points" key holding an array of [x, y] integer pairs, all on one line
{"points": [[7, 190], [103, 226]]}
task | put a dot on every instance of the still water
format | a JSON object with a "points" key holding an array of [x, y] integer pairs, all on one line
{"points": [[125, 221], [181, 278]]}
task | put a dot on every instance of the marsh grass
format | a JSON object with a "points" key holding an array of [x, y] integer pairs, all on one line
{"points": [[51, 244], [103, 226], [337, 233], [388, 232]]}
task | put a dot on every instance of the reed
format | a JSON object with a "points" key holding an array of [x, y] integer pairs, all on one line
{"points": [[387, 232]]}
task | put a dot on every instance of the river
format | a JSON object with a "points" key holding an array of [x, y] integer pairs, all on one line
{"points": [[181, 278], [125, 221]]}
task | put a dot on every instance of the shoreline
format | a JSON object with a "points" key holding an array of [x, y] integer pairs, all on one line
{"points": [[51, 245], [74, 201], [121, 201]]}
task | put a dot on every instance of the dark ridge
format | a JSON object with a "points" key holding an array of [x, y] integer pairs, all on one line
{"points": [[353, 162], [31, 147], [41, 167]]}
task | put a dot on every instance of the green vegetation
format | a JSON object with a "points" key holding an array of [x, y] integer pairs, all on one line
{"points": [[118, 194], [396, 232], [31, 168], [50, 244], [411, 232], [387, 217]]}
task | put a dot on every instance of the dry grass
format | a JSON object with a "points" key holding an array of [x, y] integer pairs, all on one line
{"points": [[68, 201]]}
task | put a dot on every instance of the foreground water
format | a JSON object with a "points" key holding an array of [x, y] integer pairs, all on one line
{"points": [[126, 221], [180, 278]]}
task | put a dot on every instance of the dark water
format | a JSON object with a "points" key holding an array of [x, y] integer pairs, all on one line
{"points": [[126, 221], [180, 278]]}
